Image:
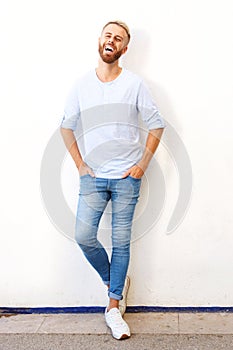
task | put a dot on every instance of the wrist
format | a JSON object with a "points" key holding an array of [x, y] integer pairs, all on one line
{"points": [[79, 164], [142, 164]]}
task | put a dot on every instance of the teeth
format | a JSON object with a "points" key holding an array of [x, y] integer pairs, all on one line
{"points": [[108, 48]]}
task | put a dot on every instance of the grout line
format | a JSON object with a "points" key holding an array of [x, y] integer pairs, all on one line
{"points": [[178, 315], [40, 324]]}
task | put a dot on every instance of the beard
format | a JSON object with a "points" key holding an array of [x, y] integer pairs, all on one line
{"points": [[109, 58]]}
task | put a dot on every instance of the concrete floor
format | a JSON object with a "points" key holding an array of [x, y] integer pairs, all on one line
{"points": [[88, 331]]}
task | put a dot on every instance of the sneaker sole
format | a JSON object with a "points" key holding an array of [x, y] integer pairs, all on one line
{"points": [[124, 336]]}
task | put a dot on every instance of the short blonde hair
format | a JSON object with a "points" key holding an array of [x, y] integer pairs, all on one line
{"points": [[120, 24]]}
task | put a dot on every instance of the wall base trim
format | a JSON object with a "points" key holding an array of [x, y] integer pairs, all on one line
{"points": [[100, 309]]}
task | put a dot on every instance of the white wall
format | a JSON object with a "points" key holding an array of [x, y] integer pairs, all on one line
{"points": [[183, 49]]}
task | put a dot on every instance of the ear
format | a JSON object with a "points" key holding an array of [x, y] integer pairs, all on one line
{"points": [[124, 50]]}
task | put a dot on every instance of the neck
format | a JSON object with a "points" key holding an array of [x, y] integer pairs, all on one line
{"points": [[107, 72]]}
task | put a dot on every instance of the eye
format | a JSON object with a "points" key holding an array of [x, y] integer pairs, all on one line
{"points": [[118, 39]]}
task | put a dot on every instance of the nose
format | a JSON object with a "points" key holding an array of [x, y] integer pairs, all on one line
{"points": [[110, 40]]}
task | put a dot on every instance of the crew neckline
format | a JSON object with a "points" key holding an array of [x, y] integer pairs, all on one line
{"points": [[109, 82]]}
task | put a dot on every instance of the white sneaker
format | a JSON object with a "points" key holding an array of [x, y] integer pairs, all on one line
{"points": [[114, 320], [123, 302]]}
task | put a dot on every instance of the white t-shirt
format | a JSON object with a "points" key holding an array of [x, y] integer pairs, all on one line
{"points": [[105, 119]]}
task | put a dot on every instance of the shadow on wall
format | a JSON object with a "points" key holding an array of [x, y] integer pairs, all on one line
{"points": [[135, 60], [136, 56]]}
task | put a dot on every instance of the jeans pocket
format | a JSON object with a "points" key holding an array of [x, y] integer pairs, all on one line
{"points": [[82, 176], [134, 178]]}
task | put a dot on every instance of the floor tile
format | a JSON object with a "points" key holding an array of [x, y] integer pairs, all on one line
{"points": [[153, 322], [74, 324], [20, 323], [206, 323]]}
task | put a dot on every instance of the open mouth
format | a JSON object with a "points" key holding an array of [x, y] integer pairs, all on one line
{"points": [[108, 48]]}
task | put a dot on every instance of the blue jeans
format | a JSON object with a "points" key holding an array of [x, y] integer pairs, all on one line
{"points": [[94, 195]]}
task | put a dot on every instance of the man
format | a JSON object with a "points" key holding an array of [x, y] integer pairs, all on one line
{"points": [[102, 114]]}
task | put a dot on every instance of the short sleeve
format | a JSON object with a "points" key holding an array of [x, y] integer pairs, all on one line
{"points": [[71, 110], [148, 109]]}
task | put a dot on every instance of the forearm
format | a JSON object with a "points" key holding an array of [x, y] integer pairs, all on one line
{"points": [[72, 146], [152, 142]]}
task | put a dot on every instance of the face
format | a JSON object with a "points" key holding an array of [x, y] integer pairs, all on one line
{"points": [[112, 43]]}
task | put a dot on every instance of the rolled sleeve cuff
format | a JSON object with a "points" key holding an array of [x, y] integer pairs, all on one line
{"points": [[155, 122], [69, 123]]}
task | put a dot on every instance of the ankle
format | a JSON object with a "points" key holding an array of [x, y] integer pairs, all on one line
{"points": [[113, 304]]}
